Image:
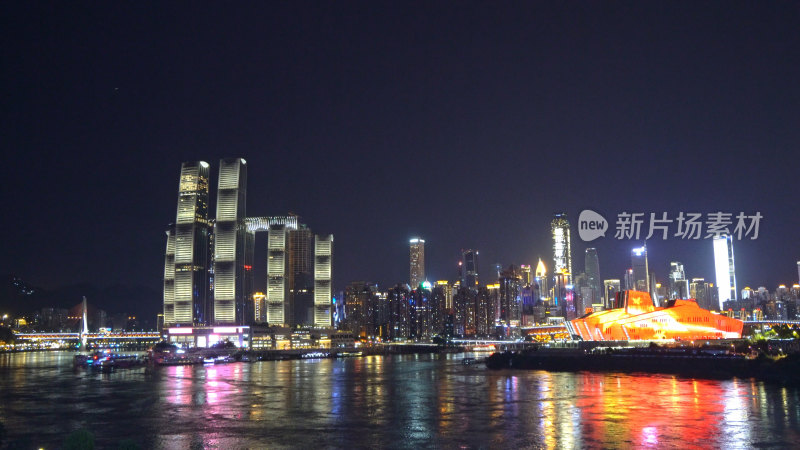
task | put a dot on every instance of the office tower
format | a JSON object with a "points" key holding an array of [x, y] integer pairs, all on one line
{"points": [[678, 284], [725, 271], [700, 291], [525, 274], [593, 274], [798, 270], [186, 260], [323, 278], [277, 281], [417, 260], [169, 279], [300, 302], [231, 297], [641, 271], [470, 269], [562, 250], [630, 283], [541, 280], [610, 289]]}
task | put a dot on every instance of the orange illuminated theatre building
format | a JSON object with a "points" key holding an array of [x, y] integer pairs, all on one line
{"points": [[639, 319]]}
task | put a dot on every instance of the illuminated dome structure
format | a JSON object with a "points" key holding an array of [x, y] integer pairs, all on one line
{"points": [[639, 319]]}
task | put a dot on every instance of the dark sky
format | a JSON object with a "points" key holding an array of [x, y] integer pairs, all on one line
{"points": [[468, 124]]}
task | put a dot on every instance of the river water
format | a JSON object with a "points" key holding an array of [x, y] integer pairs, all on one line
{"points": [[401, 401]]}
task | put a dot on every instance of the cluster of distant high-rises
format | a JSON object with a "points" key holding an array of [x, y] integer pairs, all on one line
{"points": [[208, 269], [515, 297]]}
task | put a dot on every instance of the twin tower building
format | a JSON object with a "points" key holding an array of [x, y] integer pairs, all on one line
{"points": [[208, 268]]}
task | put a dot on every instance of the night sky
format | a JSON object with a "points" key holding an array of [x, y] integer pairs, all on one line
{"points": [[467, 124]]}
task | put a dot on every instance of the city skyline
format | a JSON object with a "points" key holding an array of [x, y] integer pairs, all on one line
{"points": [[519, 141]]}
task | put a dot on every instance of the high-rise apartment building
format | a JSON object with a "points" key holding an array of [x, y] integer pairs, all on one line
{"points": [[562, 250], [186, 264], [231, 282], [724, 269], [417, 262]]}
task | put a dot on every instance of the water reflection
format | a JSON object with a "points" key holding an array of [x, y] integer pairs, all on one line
{"points": [[400, 401]]}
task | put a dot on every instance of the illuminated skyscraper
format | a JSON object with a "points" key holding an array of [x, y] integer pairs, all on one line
{"points": [[725, 271], [186, 300], [641, 271], [593, 274], [525, 273], [562, 250], [610, 289], [417, 262], [630, 282], [798, 270], [301, 305], [232, 299], [169, 278], [541, 280], [678, 284], [277, 279], [323, 278], [701, 292], [470, 268]]}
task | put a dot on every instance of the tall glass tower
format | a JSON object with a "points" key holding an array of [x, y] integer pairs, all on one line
{"points": [[562, 250], [186, 258], [417, 262], [724, 268], [231, 294], [641, 270], [470, 258], [592, 267]]}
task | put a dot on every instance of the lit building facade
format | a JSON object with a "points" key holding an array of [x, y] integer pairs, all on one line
{"points": [[592, 270], [541, 280], [323, 279], [724, 269], [678, 284], [639, 319], [417, 262], [562, 249], [641, 270], [470, 269], [186, 285], [230, 246], [277, 279], [610, 289]]}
